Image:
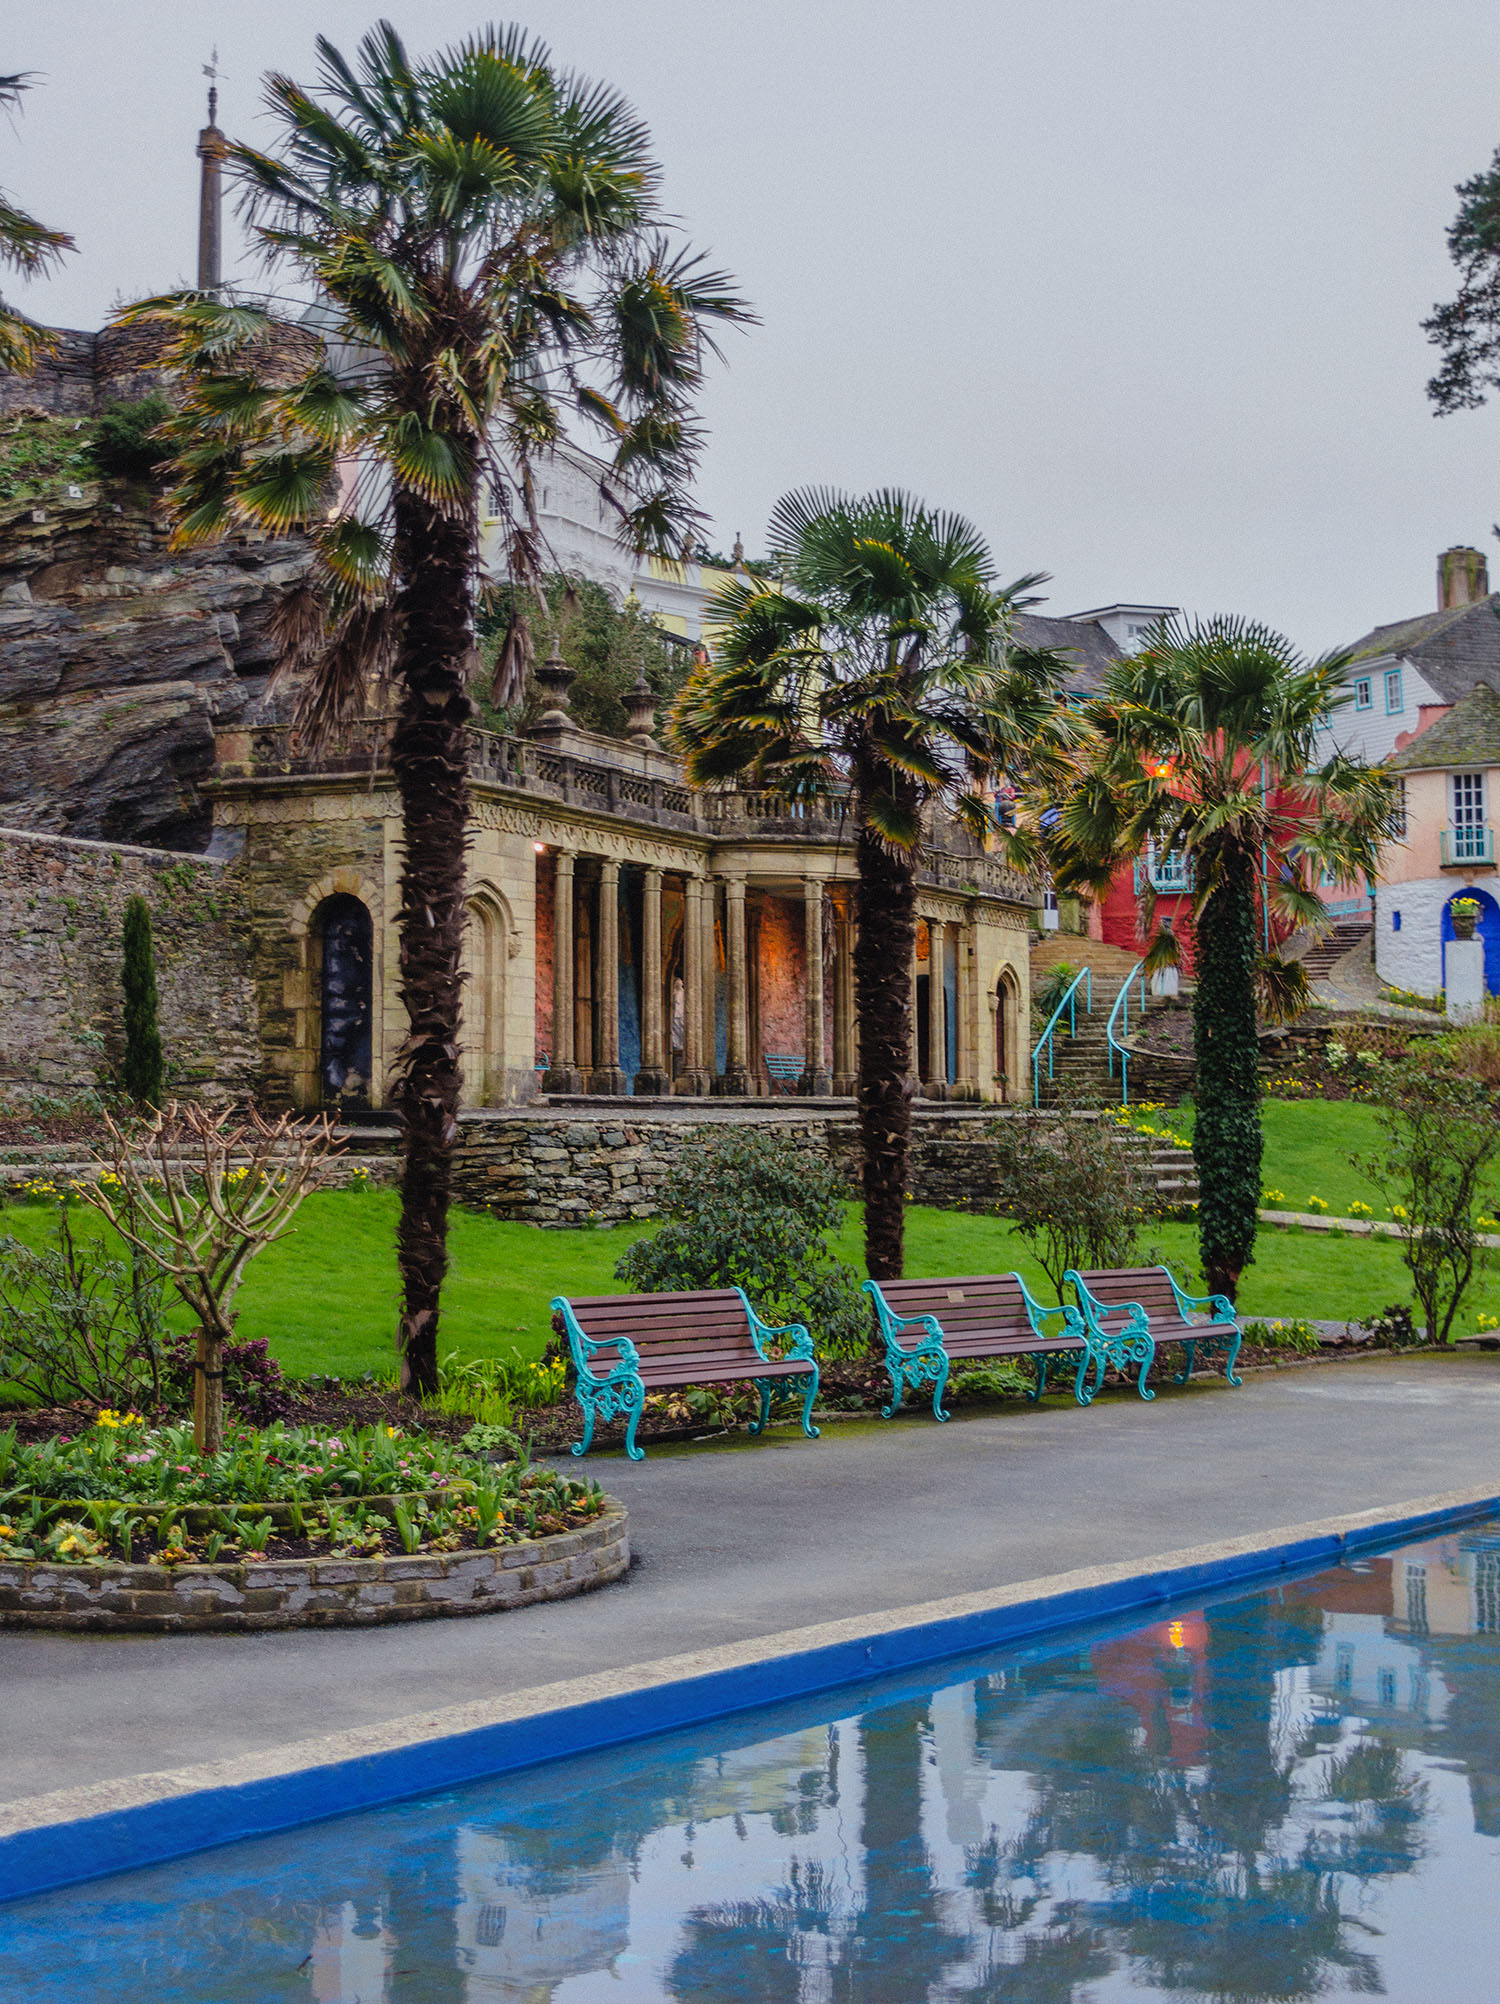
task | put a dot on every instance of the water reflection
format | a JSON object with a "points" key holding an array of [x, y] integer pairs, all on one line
{"points": [[1286, 1796]]}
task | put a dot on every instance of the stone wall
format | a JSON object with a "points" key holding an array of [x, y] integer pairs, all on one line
{"points": [[62, 906], [315, 1593], [594, 1168]]}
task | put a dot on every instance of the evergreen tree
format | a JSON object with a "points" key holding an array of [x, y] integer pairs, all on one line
{"points": [[142, 1074]]}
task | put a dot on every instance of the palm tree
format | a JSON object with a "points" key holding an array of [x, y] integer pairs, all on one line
{"points": [[1207, 746], [878, 669], [481, 234], [27, 247]]}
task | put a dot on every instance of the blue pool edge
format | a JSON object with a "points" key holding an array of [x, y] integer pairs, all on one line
{"points": [[45, 1847]]}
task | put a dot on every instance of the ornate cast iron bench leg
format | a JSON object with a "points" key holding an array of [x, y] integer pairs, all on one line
{"points": [[812, 1432], [1039, 1365], [763, 1386], [1188, 1352], [1233, 1352]]}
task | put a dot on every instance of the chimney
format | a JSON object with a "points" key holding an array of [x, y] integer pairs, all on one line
{"points": [[1462, 577]]}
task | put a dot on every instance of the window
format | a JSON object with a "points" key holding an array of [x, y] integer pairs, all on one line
{"points": [[1416, 1598], [1393, 701], [1363, 700], [1386, 1679], [1395, 921], [1343, 1666], [1468, 800]]}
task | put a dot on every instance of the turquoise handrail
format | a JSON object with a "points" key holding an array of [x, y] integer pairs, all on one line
{"points": [[1069, 1002], [1119, 1019]]}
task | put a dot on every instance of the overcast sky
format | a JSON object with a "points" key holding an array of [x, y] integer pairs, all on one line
{"points": [[1137, 286]]}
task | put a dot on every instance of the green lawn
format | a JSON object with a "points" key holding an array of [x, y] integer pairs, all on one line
{"points": [[1313, 1149], [325, 1297]]}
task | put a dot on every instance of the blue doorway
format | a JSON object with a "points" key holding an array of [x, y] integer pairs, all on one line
{"points": [[1486, 929]]}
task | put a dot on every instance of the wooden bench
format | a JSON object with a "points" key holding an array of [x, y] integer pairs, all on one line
{"points": [[979, 1315], [1131, 1311], [783, 1072], [625, 1345]]}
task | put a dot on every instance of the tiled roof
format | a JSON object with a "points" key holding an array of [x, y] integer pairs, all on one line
{"points": [[1088, 647], [1468, 736], [1452, 650]]}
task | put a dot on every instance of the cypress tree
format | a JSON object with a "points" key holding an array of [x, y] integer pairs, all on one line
{"points": [[142, 1075], [1227, 1133]]}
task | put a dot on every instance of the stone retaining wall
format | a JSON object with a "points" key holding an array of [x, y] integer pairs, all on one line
{"points": [[315, 1593], [579, 1169], [62, 908]]}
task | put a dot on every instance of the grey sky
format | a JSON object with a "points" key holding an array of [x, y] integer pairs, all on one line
{"points": [[1136, 286]]}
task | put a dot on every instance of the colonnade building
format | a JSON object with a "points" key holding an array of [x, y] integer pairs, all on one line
{"points": [[626, 934]]}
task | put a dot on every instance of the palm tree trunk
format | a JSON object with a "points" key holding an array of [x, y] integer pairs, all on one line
{"points": [[429, 757], [884, 942], [1227, 1135]]}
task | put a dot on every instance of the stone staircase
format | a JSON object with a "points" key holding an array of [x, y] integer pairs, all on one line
{"points": [[1335, 943], [1080, 1063]]}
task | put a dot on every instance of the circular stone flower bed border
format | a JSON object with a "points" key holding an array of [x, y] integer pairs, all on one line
{"points": [[315, 1593]]}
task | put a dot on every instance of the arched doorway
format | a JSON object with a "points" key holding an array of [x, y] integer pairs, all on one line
{"points": [[1010, 1058], [345, 939], [486, 954], [1486, 929]]}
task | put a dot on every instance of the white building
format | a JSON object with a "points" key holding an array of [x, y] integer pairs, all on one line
{"points": [[1402, 677], [580, 530]]}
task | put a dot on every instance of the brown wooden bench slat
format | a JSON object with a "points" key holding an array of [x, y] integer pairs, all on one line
{"points": [[709, 1336]]}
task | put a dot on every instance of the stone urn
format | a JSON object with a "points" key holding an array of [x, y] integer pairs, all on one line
{"points": [[1464, 920]]}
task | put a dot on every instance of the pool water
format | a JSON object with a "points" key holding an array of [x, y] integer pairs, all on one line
{"points": [[1277, 1795]]}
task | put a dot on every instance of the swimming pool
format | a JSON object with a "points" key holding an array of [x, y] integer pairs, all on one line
{"points": [[1283, 1793]]}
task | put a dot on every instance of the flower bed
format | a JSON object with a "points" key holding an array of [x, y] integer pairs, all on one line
{"points": [[126, 1492]]}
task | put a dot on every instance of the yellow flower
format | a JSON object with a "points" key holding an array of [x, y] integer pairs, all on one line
{"points": [[107, 1418], [7, 1531]]}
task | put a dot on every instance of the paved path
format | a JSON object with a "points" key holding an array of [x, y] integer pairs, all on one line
{"points": [[739, 1540]]}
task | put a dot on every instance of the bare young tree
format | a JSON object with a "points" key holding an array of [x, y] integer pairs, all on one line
{"points": [[199, 1194]]}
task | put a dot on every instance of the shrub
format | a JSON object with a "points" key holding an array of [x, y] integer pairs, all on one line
{"points": [[253, 1383], [993, 1380], [123, 442], [1441, 1135], [747, 1210], [1393, 1328], [141, 1074], [1078, 1193], [78, 1322], [1051, 989]]}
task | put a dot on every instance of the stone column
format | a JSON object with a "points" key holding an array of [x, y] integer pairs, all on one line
{"points": [[607, 1076], [736, 1080], [966, 1076], [694, 1077], [845, 1057], [653, 1077], [708, 911], [562, 1075], [815, 1077], [936, 1084]]}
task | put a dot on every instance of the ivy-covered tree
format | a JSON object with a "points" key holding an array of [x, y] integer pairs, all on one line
{"points": [[1206, 745]]}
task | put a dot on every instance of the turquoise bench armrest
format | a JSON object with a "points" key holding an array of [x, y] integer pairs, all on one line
{"points": [[584, 1347], [761, 1331], [1218, 1305]]}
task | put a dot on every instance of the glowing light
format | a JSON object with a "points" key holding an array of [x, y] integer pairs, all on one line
{"points": [[1174, 1634], [540, 847]]}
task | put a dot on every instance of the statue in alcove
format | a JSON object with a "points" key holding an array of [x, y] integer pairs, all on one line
{"points": [[344, 1062]]}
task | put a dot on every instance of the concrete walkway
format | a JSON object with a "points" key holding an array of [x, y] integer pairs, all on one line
{"points": [[744, 1539]]}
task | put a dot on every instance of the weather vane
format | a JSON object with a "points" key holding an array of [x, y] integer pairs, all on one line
{"points": [[212, 71]]}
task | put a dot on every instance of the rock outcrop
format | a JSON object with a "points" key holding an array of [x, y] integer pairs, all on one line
{"points": [[118, 657]]}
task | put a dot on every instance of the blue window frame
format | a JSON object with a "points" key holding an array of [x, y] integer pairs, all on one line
{"points": [[1393, 699], [1395, 921], [1363, 700]]}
